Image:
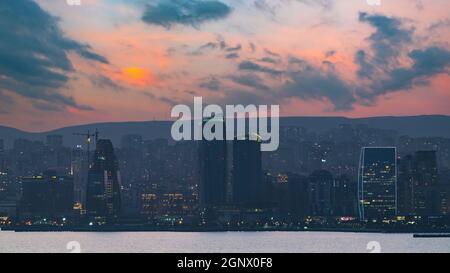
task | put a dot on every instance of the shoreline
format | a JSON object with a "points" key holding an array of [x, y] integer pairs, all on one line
{"points": [[203, 230]]}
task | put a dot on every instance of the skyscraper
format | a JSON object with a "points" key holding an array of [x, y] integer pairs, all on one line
{"points": [[418, 184], [247, 171], [103, 189], [131, 159], [213, 170], [2, 156], [298, 196], [79, 170], [344, 191], [405, 185], [377, 183], [321, 193], [54, 141], [425, 178]]}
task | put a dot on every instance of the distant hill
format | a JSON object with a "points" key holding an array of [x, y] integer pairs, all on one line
{"points": [[416, 126]]}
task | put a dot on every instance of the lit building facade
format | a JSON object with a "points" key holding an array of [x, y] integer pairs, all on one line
{"points": [[103, 189], [377, 183]]}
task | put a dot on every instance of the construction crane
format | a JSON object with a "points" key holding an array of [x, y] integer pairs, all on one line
{"points": [[88, 136]]}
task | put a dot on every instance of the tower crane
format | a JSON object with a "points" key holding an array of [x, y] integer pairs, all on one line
{"points": [[88, 137]]}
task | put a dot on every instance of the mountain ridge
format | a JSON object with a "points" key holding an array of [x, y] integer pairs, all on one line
{"points": [[415, 126]]}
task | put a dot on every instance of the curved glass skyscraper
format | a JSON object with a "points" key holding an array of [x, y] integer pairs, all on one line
{"points": [[103, 189], [377, 183]]}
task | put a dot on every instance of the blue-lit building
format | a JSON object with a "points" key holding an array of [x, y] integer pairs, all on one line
{"points": [[377, 183]]}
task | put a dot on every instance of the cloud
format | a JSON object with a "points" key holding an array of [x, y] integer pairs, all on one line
{"points": [[387, 43], [236, 48], [324, 4], [104, 82], [184, 12], [34, 55], [232, 56], [252, 66], [426, 63], [269, 60], [381, 66], [210, 83], [250, 80], [308, 82], [266, 6], [443, 23]]}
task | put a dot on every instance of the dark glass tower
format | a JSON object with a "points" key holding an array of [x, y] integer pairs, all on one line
{"points": [[425, 178], [247, 171], [103, 190], [377, 185], [321, 193], [418, 179], [213, 170], [46, 195]]}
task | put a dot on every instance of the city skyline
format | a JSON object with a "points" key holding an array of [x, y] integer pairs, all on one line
{"points": [[113, 60], [312, 174]]}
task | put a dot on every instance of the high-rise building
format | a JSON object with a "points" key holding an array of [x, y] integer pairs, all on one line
{"points": [[377, 185], [54, 141], [247, 171], [213, 170], [103, 189], [48, 196], [298, 196], [2, 156], [344, 191], [79, 170], [425, 177], [320, 189], [418, 181], [405, 188], [131, 159]]}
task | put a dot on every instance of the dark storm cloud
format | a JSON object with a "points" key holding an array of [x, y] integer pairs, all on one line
{"points": [[185, 12], [33, 55]]}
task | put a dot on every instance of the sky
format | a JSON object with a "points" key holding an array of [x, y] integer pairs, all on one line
{"points": [[124, 60]]}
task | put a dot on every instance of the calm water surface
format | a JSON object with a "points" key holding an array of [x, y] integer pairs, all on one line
{"points": [[295, 242]]}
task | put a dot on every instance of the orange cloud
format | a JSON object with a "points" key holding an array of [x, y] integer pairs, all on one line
{"points": [[138, 76]]}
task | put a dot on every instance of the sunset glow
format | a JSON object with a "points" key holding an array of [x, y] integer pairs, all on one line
{"points": [[313, 58]]}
